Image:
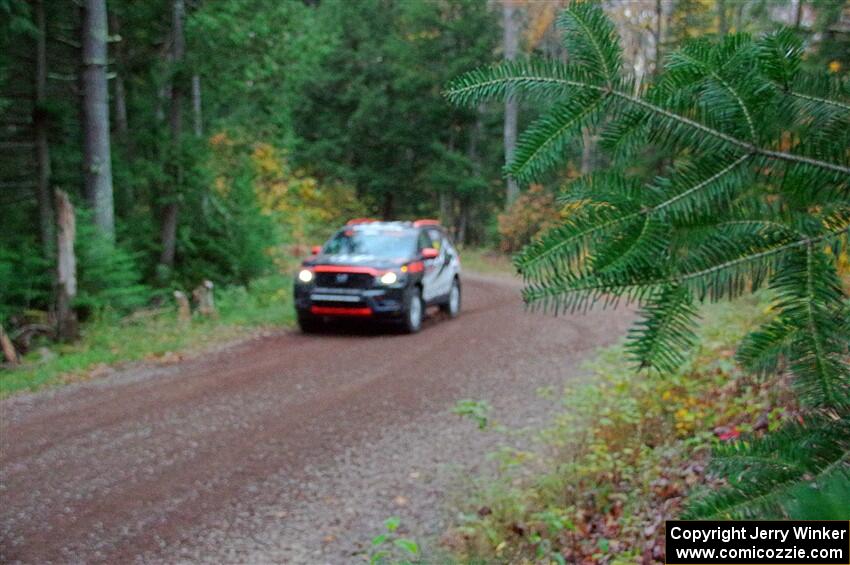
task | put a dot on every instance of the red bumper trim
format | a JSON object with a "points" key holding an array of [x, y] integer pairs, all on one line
{"points": [[344, 269], [331, 311]]}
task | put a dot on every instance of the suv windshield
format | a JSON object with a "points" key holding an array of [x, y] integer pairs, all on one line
{"points": [[386, 243]]}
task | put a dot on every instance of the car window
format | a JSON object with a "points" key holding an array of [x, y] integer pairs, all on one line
{"points": [[385, 243], [424, 240], [436, 238]]}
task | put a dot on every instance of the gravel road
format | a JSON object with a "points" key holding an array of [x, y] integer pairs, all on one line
{"points": [[282, 449]]}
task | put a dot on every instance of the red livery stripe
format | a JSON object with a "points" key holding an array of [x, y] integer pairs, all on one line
{"points": [[344, 269], [332, 311], [426, 222]]}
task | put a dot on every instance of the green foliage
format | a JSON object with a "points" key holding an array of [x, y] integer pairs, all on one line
{"points": [[755, 192], [108, 276], [25, 280], [371, 113], [476, 410], [390, 547], [765, 476]]}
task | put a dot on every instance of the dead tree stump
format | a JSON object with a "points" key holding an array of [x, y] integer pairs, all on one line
{"points": [[184, 312], [8, 348], [204, 299]]}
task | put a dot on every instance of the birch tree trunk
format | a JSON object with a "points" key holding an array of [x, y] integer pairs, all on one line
{"points": [[97, 163], [42, 148], [197, 116], [171, 208], [511, 47], [66, 268]]}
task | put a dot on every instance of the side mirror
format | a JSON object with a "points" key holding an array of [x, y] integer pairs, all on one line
{"points": [[430, 253], [315, 250]]}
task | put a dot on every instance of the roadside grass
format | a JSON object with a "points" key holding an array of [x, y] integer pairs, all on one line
{"points": [[486, 261], [622, 454], [108, 340]]}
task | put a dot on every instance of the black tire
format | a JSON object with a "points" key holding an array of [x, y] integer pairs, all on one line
{"points": [[414, 311], [452, 304], [310, 325]]}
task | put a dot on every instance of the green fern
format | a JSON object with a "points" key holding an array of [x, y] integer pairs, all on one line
{"points": [[757, 189]]}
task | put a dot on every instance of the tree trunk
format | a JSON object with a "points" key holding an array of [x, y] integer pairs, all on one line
{"points": [[66, 268], [739, 17], [168, 234], [588, 152], [388, 206], [42, 148], [722, 26], [444, 204], [511, 47], [96, 151], [659, 16], [171, 210], [463, 221], [466, 203], [798, 15], [177, 53], [121, 124], [197, 116]]}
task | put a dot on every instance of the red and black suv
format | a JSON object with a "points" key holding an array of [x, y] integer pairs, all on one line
{"points": [[379, 271]]}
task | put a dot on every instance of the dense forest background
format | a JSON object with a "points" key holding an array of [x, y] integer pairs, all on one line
{"points": [[214, 140]]}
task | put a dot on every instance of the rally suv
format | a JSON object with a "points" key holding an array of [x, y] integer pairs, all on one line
{"points": [[375, 270]]}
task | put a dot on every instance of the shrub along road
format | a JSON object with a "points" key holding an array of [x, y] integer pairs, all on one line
{"points": [[286, 448]]}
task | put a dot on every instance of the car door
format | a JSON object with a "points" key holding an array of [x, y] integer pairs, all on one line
{"points": [[443, 263], [430, 282]]}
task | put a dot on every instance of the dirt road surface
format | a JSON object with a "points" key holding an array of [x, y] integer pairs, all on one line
{"points": [[283, 449]]}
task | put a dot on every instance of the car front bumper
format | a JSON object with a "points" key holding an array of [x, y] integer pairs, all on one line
{"points": [[345, 302]]}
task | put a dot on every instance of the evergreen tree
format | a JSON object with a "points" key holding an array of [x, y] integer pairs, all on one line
{"points": [[757, 194]]}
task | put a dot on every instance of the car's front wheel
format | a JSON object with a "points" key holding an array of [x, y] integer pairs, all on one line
{"points": [[452, 304], [414, 311]]}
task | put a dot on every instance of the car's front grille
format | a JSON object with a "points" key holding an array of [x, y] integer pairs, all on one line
{"points": [[334, 304], [344, 280]]}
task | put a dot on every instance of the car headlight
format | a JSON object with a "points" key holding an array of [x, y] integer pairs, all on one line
{"points": [[389, 278], [305, 275]]}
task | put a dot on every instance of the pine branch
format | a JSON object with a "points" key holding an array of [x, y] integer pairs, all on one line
{"points": [[699, 186], [818, 100], [662, 338], [542, 144], [749, 147], [734, 93], [467, 90], [590, 24], [537, 254], [598, 284]]}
